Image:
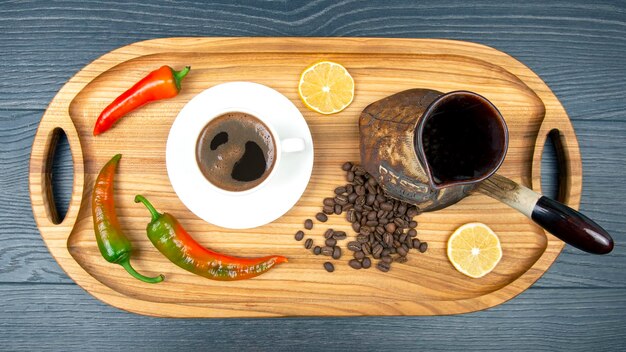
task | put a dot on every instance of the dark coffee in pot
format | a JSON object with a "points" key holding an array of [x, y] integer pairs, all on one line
{"points": [[236, 151]]}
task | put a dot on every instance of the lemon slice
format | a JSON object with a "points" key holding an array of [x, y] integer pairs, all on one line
{"points": [[474, 249], [326, 87]]}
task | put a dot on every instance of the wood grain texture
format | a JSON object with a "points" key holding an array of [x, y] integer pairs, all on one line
{"points": [[425, 285], [576, 47], [562, 319]]}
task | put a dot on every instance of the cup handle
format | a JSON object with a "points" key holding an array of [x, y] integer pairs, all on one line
{"points": [[292, 145], [560, 220]]}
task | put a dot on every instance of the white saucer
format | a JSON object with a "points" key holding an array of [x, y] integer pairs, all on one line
{"points": [[272, 198]]}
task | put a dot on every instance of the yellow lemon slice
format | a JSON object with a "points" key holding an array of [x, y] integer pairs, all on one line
{"points": [[326, 87], [474, 249]]}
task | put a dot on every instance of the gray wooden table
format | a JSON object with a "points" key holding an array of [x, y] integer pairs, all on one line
{"points": [[577, 47]]}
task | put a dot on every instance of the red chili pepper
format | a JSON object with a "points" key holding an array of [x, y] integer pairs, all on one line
{"points": [[171, 239], [163, 83], [113, 245]]}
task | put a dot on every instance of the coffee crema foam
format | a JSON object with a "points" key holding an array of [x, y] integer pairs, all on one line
{"points": [[235, 151]]}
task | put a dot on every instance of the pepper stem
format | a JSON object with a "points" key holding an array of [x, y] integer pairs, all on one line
{"points": [[179, 75], [151, 280], [155, 214]]}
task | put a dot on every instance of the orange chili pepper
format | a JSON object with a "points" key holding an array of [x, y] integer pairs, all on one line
{"points": [[160, 84]]}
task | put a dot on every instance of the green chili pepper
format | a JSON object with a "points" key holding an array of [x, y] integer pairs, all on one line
{"points": [[113, 245], [171, 239]]}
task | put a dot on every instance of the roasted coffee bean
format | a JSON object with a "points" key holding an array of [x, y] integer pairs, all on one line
{"points": [[351, 215], [372, 182], [308, 224], [358, 207], [380, 230], [317, 250], [390, 227], [377, 249], [360, 190], [329, 201], [412, 211], [299, 236], [308, 243], [412, 233], [388, 239], [381, 214], [359, 201], [352, 197], [366, 263], [340, 190], [347, 166], [359, 255], [369, 200], [340, 235], [380, 197], [355, 264], [349, 188], [359, 170], [416, 243], [371, 223], [399, 223], [358, 180], [386, 206], [371, 215], [365, 230], [383, 221], [331, 242], [423, 247], [401, 251], [377, 237], [354, 246], [338, 209], [362, 238], [328, 251], [346, 207], [382, 266], [341, 199], [401, 209], [396, 243], [321, 217], [350, 176], [337, 252], [370, 189], [387, 259], [328, 234], [413, 224], [403, 237], [356, 226], [329, 267], [366, 248], [386, 251], [358, 215], [401, 260], [367, 207], [328, 210]]}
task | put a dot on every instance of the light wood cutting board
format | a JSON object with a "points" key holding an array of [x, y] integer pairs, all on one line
{"points": [[426, 285]]}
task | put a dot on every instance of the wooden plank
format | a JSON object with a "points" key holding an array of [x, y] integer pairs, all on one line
{"points": [[64, 317]]}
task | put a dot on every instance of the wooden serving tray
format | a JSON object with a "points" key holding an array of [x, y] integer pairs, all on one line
{"points": [[426, 285]]}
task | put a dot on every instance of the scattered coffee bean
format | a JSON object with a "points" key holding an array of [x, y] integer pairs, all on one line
{"points": [[382, 266], [340, 235], [349, 188], [416, 243], [317, 250], [347, 166], [328, 209], [308, 243], [390, 227], [341, 199], [350, 176], [387, 259], [337, 209], [423, 247], [331, 242], [321, 217], [356, 227], [413, 224], [355, 264], [412, 233], [328, 251], [340, 190], [329, 267], [354, 246], [328, 234], [401, 259], [337, 252], [366, 263], [308, 224], [359, 255], [299, 236], [329, 202], [402, 251]]}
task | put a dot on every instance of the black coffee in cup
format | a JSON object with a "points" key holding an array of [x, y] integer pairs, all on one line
{"points": [[236, 151]]}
